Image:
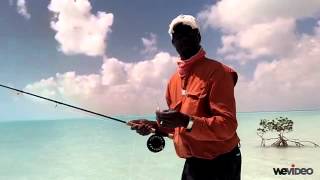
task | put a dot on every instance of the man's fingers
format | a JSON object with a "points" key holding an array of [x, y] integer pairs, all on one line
{"points": [[134, 127], [161, 116], [134, 122], [168, 124], [166, 112], [131, 124], [149, 126], [144, 130], [166, 120], [142, 126], [164, 115]]}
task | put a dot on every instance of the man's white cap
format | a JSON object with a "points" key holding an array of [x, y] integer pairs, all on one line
{"points": [[184, 19]]}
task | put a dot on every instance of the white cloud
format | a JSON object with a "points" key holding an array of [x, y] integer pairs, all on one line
{"points": [[48, 86], [291, 82], [266, 30], [236, 15], [21, 8], [252, 29], [273, 39], [120, 88], [78, 30], [149, 44], [11, 3], [288, 82]]}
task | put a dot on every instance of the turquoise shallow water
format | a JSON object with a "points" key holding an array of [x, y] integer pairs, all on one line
{"points": [[95, 149]]}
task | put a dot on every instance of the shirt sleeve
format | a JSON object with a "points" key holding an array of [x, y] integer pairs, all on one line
{"points": [[222, 124]]}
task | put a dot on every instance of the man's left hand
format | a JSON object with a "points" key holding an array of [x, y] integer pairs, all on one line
{"points": [[172, 119]]}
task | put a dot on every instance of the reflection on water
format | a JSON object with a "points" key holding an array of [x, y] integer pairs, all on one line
{"points": [[95, 149]]}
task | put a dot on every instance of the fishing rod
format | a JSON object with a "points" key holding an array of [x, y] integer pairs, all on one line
{"points": [[155, 142]]}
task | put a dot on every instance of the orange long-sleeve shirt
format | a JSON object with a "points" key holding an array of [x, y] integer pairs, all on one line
{"points": [[209, 99]]}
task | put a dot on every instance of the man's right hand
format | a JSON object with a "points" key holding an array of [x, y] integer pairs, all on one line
{"points": [[143, 126]]}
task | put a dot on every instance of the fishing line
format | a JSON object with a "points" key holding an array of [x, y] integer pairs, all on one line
{"points": [[155, 142]]}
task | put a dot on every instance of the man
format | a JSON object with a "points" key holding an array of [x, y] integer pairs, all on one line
{"points": [[202, 109]]}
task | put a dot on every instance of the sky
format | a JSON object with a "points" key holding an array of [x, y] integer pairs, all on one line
{"points": [[115, 57]]}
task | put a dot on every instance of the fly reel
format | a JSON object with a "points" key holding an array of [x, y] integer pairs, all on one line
{"points": [[156, 143]]}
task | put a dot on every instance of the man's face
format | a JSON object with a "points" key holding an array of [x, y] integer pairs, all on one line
{"points": [[186, 40]]}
